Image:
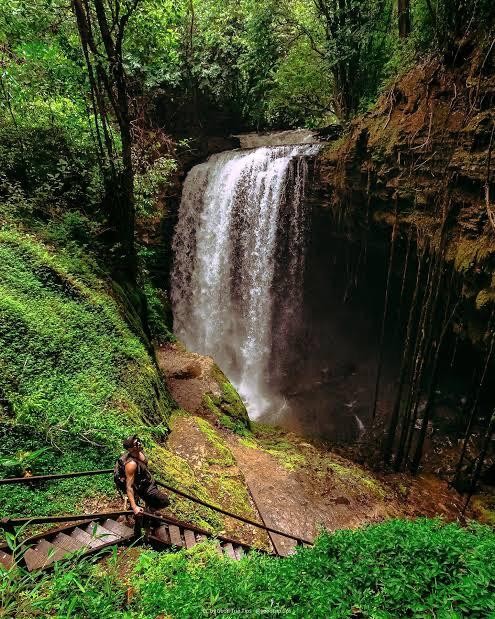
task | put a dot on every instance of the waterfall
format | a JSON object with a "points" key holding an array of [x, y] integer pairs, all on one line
{"points": [[239, 262]]}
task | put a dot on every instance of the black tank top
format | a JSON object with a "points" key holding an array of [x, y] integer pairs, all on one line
{"points": [[142, 478]]}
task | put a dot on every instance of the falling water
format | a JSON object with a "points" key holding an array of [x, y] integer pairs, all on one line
{"points": [[239, 262]]}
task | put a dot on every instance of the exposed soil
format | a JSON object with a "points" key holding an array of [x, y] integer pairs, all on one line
{"points": [[298, 486], [298, 502], [188, 375]]}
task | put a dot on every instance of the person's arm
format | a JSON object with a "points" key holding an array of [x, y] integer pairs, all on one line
{"points": [[130, 473]]}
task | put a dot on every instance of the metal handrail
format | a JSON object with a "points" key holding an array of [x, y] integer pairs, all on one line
{"points": [[18, 522], [34, 478], [236, 516], [37, 478]]}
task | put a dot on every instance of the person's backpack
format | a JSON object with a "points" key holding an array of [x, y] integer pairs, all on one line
{"points": [[119, 477]]}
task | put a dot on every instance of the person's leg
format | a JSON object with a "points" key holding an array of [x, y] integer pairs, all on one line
{"points": [[155, 498]]}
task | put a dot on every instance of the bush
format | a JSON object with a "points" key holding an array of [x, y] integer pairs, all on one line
{"points": [[387, 571]]}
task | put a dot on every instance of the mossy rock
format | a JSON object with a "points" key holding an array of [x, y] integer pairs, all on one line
{"points": [[228, 405]]}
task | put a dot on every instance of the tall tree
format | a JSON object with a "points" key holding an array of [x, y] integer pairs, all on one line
{"points": [[404, 14], [101, 26], [355, 33]]}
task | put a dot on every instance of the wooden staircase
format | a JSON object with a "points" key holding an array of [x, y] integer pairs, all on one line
{"points": [[89, 537], [93, 533]]}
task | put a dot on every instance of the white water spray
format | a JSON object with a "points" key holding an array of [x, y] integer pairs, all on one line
{"points": [[239, 261]]}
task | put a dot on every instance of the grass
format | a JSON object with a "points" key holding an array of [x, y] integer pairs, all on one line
{"points": [[74, 376], [391, 570], [213, 478]]}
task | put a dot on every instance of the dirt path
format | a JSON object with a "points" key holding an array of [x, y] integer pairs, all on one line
{"points": [[297, 502], [297, 485]]}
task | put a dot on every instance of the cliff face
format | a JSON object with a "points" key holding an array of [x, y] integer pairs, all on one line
{"points": [[410, 186], [422, 159]]}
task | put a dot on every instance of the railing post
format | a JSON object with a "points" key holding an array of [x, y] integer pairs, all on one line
{"points": [[138, 526]]}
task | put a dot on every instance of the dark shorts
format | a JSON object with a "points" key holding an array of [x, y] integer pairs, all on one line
{"points": [[154, 498]]}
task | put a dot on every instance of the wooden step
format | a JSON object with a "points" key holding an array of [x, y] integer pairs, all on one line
{"points": [[52, 551], [42, 554], [118, 528], [66, 541], [98, 532], [162, 533], [218, 548], [34, 560], [6, 560], [228, 550], [85, 538], [189, 538], [175, 536]]}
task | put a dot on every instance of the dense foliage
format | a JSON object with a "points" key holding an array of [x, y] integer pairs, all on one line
{"points": [[255, 64], [75, 376], [391, 570], [75, 371], [194, 66]]}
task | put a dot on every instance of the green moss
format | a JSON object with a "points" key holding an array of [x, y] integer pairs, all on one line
{"points": [[175, 471], [236, 494], [357, 475], [210, 405], [485, 506], [274, 441], [228, 406], [467, 252], [249, 442], [485, 297], [288, 459], [217, 375], [225, 457], [75, 377], [171, 468]]}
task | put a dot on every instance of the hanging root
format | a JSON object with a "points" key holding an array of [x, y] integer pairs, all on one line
{"points": [[385, 313], [394, 418], [480, 460], [474, 409], [418, 454]]}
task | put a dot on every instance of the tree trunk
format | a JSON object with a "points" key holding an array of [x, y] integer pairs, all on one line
{"points": [[404, 12], [384, 317], [101, 41]]}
